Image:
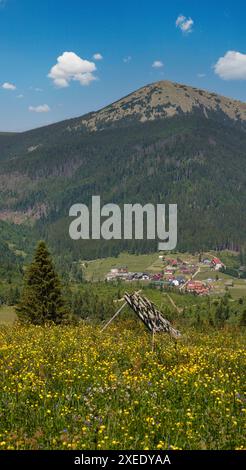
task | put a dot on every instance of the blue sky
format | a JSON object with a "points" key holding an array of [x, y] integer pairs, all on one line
{"points": [[184, 40]]}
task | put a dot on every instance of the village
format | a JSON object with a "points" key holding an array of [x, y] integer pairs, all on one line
{"points": [[175, 273]]}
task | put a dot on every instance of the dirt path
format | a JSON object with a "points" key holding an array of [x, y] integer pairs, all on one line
{"points": [[192, 277], [179, 309]]}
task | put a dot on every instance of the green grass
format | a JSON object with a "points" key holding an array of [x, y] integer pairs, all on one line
{"points": [[238, 290], [97, 269], [74, 388]]}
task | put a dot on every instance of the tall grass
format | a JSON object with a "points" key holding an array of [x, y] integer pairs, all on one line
{"points": [[74, 388]]}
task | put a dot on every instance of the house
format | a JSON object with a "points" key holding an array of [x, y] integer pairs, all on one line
{"points": [[117, 273], [168, 271], [217, 264], [197, 287], [145, 277], [186, 270], [114, 271], [180, 279], [172, 262], [157, 277], [123, 269]]}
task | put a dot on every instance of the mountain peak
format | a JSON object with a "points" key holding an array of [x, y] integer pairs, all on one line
{"points": [[162, 100]]}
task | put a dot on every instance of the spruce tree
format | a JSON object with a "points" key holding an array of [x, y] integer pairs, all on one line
{"points": [[41, 300]]}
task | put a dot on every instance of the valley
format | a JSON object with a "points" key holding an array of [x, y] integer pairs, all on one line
{"points": [[94, 389]]}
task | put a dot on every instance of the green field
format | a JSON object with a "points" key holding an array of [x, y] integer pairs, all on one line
{"points": [[97, 269], [75, 388]]}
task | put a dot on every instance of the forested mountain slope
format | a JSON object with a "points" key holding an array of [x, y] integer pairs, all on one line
{"points": [[165, 143]]}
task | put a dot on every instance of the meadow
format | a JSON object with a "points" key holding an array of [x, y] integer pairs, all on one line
{"points": [[72, 387], [96, 270]]}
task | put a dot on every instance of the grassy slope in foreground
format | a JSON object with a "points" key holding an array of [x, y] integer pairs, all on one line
{"points": [[90, 391]]}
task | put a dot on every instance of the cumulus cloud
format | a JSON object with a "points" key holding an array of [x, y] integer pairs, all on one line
{"points": [[157, 64], [184, 23], [42, 108], [232, 66], [8, 86], [127, 59], [70, 67], [98, 56]]}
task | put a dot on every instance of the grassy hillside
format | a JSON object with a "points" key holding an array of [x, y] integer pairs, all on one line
{"points": [[87, 390]]}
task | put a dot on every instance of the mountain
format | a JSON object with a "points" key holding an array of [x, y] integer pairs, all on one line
{"points": [[164, 100], [164, 143]]}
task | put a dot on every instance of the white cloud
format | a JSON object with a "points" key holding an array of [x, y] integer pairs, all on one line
{"points": [[98, 56], [127, 59], [42, 108], [232, 66], [157, 64], [184, 23], [201, 75], [20, 96], [69, 67], [8, 86]]}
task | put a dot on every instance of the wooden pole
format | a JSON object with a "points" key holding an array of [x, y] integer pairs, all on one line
{"points": [[115, 315]]}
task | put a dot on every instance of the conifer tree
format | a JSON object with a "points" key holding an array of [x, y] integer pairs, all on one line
{"points": [[41, 300]]}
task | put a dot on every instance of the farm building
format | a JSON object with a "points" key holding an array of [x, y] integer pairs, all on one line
{"points": [[217, 264]]}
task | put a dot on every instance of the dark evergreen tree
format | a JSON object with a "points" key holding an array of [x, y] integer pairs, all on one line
{"points": [[41, 300]]}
